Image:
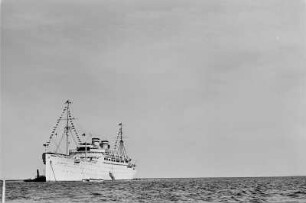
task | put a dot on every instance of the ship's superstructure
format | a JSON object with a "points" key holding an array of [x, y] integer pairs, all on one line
{"points": [[93, 160]]}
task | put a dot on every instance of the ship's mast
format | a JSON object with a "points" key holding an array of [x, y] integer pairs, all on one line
{"points": [[120, 132], [121, 148], [67, 127]]}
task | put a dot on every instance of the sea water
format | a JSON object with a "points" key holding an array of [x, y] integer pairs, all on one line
{"points": [[262, 189]]}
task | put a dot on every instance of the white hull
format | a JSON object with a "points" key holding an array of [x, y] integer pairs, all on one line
{"points": [[68, 168]]}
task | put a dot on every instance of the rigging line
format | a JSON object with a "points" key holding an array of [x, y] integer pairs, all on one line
{"points": [[73, 138], [74, 130], [81, 129], [49, 142], [116, 142], [119, 137], [58, 145], [125, 151], [56, 125], [53, 142], [73, 127]]}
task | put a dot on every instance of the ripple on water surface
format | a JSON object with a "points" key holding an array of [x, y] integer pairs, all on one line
{"points": [[265, 189]]}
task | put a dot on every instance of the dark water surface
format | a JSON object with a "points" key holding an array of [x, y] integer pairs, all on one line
{"points": [[265, 189]]}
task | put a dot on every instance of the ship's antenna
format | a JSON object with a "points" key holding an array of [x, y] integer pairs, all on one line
{"points": [[67, 127]]}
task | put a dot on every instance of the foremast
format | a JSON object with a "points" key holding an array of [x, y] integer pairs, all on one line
{"points": [[69, 129]]}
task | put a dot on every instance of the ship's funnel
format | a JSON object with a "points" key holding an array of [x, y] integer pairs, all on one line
{"points": [[95, 141], [104, 144]]}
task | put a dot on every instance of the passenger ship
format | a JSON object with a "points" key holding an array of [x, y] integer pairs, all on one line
{"points": [[94, 160]]}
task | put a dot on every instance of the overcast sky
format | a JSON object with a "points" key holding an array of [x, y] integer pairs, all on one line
{"points": [[204, 88]]}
